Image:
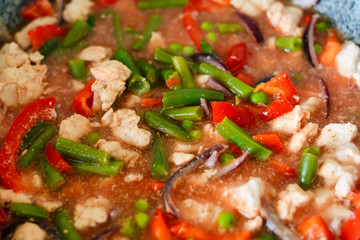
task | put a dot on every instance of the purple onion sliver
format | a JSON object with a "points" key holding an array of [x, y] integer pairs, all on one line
{"points": [[326, 96], [308, 41], [213, 84], [231, 166], [251, 27], [211, 59], [205, 107], [211, 162]]}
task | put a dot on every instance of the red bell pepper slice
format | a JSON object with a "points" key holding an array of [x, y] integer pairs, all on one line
{"points": [[55, 160], [184, 230], [315, 228], [191, 26], [158, 228], [39, 8], [280, 85], [355, 199], [237, 58], [3, 217], [234, 149], [351, 229], [106, 3], [246, 78], [239, 115], [270, 140], [40, 35], [173, 81], [278, 107], [151, 102], [40, 110], [282, 169], [84, 100]]}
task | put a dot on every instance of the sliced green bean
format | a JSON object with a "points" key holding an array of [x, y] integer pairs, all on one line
{"points": [[167, 74], [32, 134], [27, 210], [93, 137], [160, 168], [194, 113], [163, 56], [164, 125], [191, 96], [229, 27], [161, 4], [79, 29], [53, 177], [152, 26], [182, 68], [65, 226], [49, 47], [82, 152], [112, 169], [235, 85], [307, 170], [233, 133], [77, 69], [91, 21], [288, 44], [312, 149], [149, 72], [266, 236], [207, 48], [36, 147]]}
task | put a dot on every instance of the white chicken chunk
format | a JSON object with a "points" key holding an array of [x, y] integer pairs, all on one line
{"points": [[246, 198], [323, 196], [335, 134], [336, 215], [124, 126], [184, 147], [290, 122], [348, 153], [348, 61], [180, 158], [110, 82], [202, 80], [49, 205], [286, 19], [9, 196], [20, 82], [253, 224], [77, 9], [91, 213], [299, 139], [29, 231], [95, 53], [290, 199], [132, 101], [251, 7], [311, 105], [22, 37], [74, 127]]}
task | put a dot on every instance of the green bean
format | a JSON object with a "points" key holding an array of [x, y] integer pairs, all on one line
{"points": [[77, 68], [160, 168], [182, 68], [191, 96], [93, 137], [49, 47], [161, 4], [235, 85], [207, 48], [131, 31], [32, 134], [65, 226], [233, 133], [167, 74], [289, 44], [91, 21], [149, 72], [27, 210], [164, 125], [163, 56], [266, 236], [53, 177], [225, 27], [36, 147], [307, 170], [111, 169], [153, 25], [312, 150], [188, 125], [184, 113], [81, 152], [79, 29]]}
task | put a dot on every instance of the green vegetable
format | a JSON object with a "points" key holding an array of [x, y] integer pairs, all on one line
{"points": [[207, 48], [129, 228], [160, 168], [49, 47], [195, 135], [32, 134], [191, 96], [258, 98], [266, 236], [77, 68], [226, 220], [322, 26], [82, 152], [167, 74], [188, 125], [93, 137], [177, 87], [211, 36], [153, 25], [162, 56], [36, 147], [226, 158], [188, 50], [307, 171], [318, 48], [182, 68], [111, 169], [149, 72], [161, 4], [130, 30], [174, 48], [235, 85], [91, 21], [289, 44], [79, 29], [65, 226], [182, 113], [142, 220], [225, 28], [233, 133], [164, 125], [53, 177], [312, 150], [27, 210], [141, 205], [206, 26]]}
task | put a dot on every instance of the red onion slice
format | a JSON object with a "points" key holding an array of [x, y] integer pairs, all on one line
{"points": [[213, 84], [326, 96], [211, 162], [308, 41], [205, 107], [231, 166], [251, 27], [211, 59]]}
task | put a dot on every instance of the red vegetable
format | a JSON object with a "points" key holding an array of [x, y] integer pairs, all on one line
{"points": [[39, 8], [282, 169], [184, 230], [84, 100], [331, 48], [40, 110], [246, 78], [106, 3], [3, 217], [239, 115], [40, 35], [355, 199], [173, 81], [315, 228], [151, 102], [307, 20], [278, 107], [55, 160], [158, 228], [234, 149], [270, 140], [280, 85], [237, 58], [351, 229]]}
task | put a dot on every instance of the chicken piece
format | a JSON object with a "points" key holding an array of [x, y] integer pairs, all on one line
{"points": [[202, 80], [110, 82], [246, 198], [155, 41], [348, 61], [285, 19], [29, 231], [9, 196], [184, 147], [133, 177], [77, 9], [74, 127], [22, 37], [290, 199], [299, 139], [213, 135], [311, 105], [335, 134], [95, 53], [118, 152], [323, 196], [132, 101], [290, 122], [348, 153], [124, 126], [91, 213], [251, 7], [20, 82], [49, 205], [336, 215], [253, 224], [179, 158]]}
